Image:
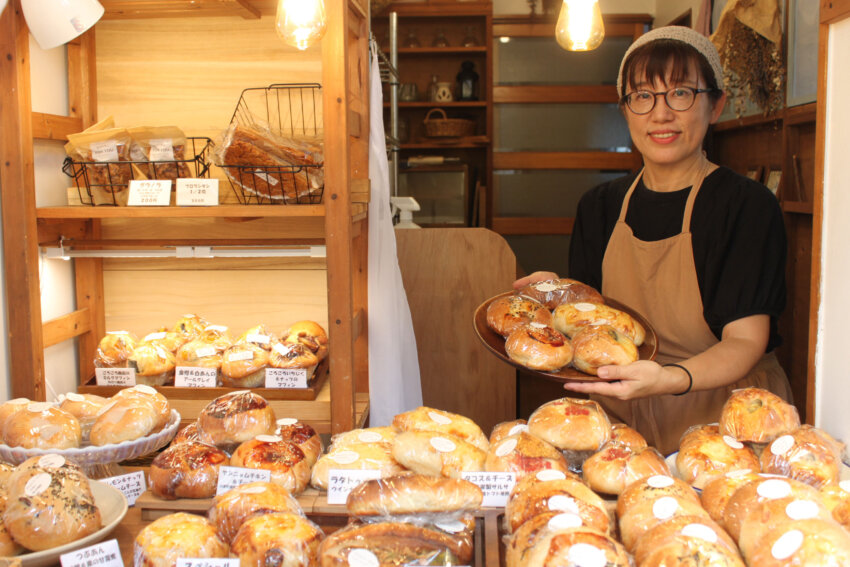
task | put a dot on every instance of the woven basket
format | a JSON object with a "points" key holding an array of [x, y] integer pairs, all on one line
{"points": [[447, 127]]}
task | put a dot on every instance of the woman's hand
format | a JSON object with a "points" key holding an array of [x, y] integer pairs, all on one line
{"points": [[533, 278], [636, 380]]}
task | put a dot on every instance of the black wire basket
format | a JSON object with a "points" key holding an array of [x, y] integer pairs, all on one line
{"points": [[272, 150], [106, 183]]}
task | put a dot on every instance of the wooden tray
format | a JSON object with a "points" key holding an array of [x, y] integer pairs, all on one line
{"points": [[495, 342]]}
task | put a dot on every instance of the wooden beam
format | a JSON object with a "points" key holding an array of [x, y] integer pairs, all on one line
{"points": [[140, 9], [533, 225], [360, 190], [566, 160], [510, 27], [599, 94], [249, 12], [832, 11], [82, 79], [17, 200], [54, 127], [66, 327]]}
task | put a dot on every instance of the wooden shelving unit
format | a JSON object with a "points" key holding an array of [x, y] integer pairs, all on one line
{"points": [[339, 223]]}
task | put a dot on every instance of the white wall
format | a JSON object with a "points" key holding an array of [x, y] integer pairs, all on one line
{"points": [[666, 10], [832, 376]]}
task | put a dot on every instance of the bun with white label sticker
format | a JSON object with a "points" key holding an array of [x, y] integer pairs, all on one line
{"points": [[806, 542], [303, 435], [414, 494], [510, 312], [755, 498], [288, 465], [757, 416], [652, 488], [49, 505], [430, 419], [42, 426], [85, 408], [285, 535], [524, 454], [616, 466], [705, 453], [570, 318], [687, 536], [230, 509], [356, 456], [531, 497], [244, 365], [114, 349], [808, 454], [577, 547], [439, 454], [553, 293], [310, 334], [180, 535], [237, 417], [153, 364], [368, 435], [641, 517], [539, 347]]}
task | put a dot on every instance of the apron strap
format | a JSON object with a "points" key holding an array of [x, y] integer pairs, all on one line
{"points": [[628, 197], [692, 196]]}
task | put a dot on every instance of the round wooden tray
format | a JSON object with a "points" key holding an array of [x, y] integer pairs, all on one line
{"points": [[495, 342]]}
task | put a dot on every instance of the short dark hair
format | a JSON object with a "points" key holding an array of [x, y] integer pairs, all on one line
{"points": [[655, 57]]}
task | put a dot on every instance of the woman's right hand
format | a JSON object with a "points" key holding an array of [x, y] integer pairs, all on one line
{"points": [[533, 278]]}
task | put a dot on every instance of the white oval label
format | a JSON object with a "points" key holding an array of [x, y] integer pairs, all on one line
{"points": [[240, 355], [287, 421], [584, 307], [782, 445], [562, 503], [586, 555], [659, 481], [145, 389], [787, 544], [774, 488], [564, 522], [506, 447], [452, 527], [700, 531], [664, 507], [732, 442], [37, 484], [51, 461], [268, 438], [345, 457], [154, 336], [439, 418], [38, 407], [442, 444], [362, 558], [369, 437], [75, 397], [259, 339], [802, 510], [545, 287], [550, 474], [254, 490], [516, 429]]}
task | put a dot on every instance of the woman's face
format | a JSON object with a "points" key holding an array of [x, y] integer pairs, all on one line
{"points": [[666, 137]]}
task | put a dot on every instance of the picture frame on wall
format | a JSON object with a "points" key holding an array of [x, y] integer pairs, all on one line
{"points": [[754, 173], [772, 180]]}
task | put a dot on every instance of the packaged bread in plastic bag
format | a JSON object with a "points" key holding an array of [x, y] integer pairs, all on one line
{"points": [[187, 470], [103, 151], [175, 536], [287, 463], [555, 492], [114, 349], [280, 538], [357, 456], [616, 466], [417, 496], [230, 509], [164, 147], [236, 417], [704, 453], [808, 454]]}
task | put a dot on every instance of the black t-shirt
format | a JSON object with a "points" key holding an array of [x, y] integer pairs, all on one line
{"points": [[738, 239]]}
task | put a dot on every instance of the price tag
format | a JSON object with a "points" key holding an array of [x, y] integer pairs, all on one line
{"points": [[197, 192], [131, 485], [207, 562], [195, 377], [149, 193], [115, 376], [231, 477], [286, 377], [341, 482], [104, 554], [496, 486]]}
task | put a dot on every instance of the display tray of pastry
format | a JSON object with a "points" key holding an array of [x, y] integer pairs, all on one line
{"points": [[495, 343]]}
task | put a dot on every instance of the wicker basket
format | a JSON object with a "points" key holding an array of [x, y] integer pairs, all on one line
{"points": [[447, 127]]}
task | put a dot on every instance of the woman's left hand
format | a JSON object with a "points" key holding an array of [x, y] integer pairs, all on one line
{"points": [[636, 380]]}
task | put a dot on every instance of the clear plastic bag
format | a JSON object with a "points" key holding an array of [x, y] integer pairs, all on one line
{"points": [[430, 419], [186, 470], [230, 510], [414, 496], [704, 453], [808, 454]]}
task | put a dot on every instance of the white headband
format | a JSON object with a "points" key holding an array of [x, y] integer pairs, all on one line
{"points": [[685, 35]]}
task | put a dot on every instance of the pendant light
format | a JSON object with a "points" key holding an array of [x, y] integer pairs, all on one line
{"points": [[53, 23], [579, 26], [300, 23]]}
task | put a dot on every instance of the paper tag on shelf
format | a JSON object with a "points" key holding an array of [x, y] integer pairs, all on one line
{"points": [[231, 477], [286, 378], [207, 562], [496, 486], [103, 554], [195, 377], [131, 485], [341, 482], [197, 192], [115, 376], [149, 193]]}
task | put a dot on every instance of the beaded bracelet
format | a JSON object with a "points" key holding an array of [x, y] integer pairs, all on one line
{"points": [[690, 378]]}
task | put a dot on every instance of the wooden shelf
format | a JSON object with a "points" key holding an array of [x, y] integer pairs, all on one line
{"points": [[799, 207], [478, 49], [460, 143], [221, 211], [432, 104]]}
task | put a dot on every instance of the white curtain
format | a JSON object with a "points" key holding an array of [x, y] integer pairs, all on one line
{"points": [[394, 385]]}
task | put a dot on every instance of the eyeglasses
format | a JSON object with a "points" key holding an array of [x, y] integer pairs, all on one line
{"points": [[679, 99]]}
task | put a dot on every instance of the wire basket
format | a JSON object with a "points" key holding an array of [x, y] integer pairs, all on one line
{"points": [[272, 150], [106, 183]]}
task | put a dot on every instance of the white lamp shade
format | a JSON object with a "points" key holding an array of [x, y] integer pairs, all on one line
{"points": [[54, 22], [3, 5]]}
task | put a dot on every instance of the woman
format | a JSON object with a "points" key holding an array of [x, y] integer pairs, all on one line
{"points": [[696, 248]]}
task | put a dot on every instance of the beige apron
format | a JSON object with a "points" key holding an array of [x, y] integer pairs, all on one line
{"points": [[659, 280]]}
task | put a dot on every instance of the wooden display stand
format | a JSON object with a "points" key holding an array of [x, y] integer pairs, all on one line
{"points": [[235, 292]]}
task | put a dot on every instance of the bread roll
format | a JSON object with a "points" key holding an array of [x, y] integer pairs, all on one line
{"points": [[717, 491], [191, 433], [643, 516], [539, 347], [357, 456], [303, 435], [153, 363], [8, 547], [259, 336], [199, 354], [807, 542], [570, 318], [85, 408], [602, 345], [236, 417], [571, 424], [187, 470], [753, 494], [230, 510], [169, 340], [158, 401], [388, 544], [309, 334], [757, 416], [434, 453], [286, 461], [508, 313], [767, 514], [530, 497], [430, 419], [42, 426], [8, 409], [553, 293], [622, 434], [687, 536], [123, 419], [533, 531], [837, 499], [216, 336], [114, 349], [578, 546], [808, 454], [506, 429], [616, 466], [169, 538], [244, 366], [293, 355], [282, 539], [49, 506], [191, 326], [413, 494], [368, 435], [704, 454], [6, 471], [652, 488], [524, 454]]}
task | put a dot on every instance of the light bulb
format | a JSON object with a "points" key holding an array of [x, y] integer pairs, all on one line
{"points": [[300, 23], [579, 26]]}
